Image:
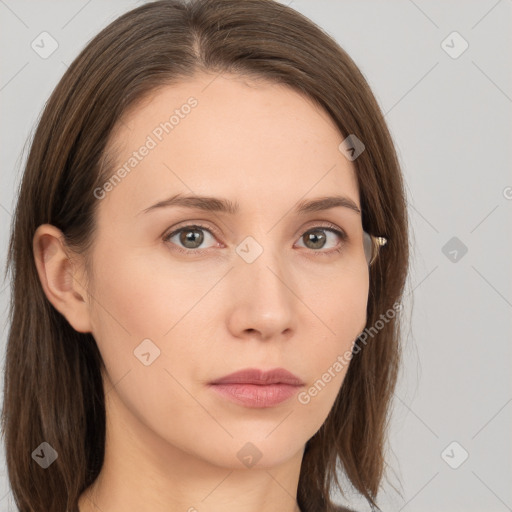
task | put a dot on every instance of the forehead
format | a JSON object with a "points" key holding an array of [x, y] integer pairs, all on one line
{"points": [[260, 143]]}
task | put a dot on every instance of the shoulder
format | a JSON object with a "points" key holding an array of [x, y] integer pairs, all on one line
{"points": [[333, 508]]}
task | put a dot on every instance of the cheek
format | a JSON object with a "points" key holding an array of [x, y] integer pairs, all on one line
{"points": [[341, 304], [145, 297], [142, 296], [342, 308]]}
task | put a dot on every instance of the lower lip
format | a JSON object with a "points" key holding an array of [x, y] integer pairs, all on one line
{"points": [[257, 396]]}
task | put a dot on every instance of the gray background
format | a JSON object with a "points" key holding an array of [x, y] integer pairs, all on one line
{"points": [[451, 122]]}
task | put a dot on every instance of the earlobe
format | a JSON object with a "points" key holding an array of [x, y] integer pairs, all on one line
{"points": [[60, 281]]}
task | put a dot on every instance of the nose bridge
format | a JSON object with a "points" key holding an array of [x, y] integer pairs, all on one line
{"points": [[261, 264], [263, 283]]}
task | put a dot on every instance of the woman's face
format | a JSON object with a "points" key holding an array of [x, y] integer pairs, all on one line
{"points": [[262, 288]]}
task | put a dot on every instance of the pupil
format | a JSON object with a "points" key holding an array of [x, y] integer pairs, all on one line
{"points": [[192, 236], [318, 241]]}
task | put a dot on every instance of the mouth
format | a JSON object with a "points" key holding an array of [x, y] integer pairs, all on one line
{"points": [[256, 388]]}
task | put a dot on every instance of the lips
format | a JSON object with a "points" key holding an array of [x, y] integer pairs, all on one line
{"points": [[260, 377], [257, 388]]}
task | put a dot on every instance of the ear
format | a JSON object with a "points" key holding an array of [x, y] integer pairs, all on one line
{"points": [[60, 280]]}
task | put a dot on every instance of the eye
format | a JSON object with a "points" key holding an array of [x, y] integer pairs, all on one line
{"points": [[315, 238], [189, 239], [190, 236]]}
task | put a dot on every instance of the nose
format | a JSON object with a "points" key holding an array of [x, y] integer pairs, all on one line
{"points": [[262, 300]]}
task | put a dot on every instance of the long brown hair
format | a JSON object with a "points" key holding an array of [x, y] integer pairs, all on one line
{"points": [[53, 388]]}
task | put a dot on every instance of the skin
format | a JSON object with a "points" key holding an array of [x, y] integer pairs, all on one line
{"points": [[172, 442]]}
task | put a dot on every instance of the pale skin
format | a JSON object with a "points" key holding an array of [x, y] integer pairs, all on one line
{"points": [[172, 443]]}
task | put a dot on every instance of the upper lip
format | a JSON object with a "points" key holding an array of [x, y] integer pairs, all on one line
{"points": [[256, 376]]}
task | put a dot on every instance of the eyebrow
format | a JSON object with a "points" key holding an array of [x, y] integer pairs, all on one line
{"points": [[215, 204]]}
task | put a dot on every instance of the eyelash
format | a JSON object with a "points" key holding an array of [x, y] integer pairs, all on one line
{"points": [[328, 227]]}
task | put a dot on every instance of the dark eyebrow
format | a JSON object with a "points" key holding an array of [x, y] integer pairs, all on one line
{"points": [[214, 204]]}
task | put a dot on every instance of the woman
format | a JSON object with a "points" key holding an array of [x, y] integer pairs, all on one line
{"points": [[207, 259]]}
